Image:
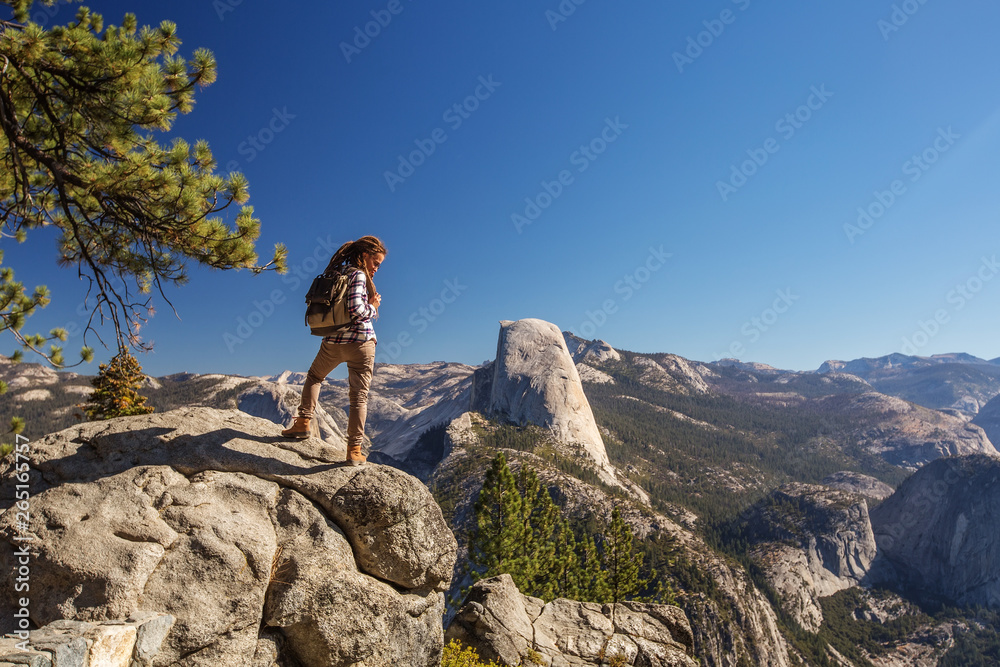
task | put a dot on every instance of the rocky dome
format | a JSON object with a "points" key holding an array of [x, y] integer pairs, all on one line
{"points": [[535, 381], [854, 482], [590, 351]]}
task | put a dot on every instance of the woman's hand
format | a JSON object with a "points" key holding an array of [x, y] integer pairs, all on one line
{"points": [[376, 300]]}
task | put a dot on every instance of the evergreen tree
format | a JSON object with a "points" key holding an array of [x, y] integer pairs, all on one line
{"points": [[520, 531], [621, 564], [116, 389], [659, 556], [78, 107], [495, 540], [536, 557], [565, 579], [593, 581]]}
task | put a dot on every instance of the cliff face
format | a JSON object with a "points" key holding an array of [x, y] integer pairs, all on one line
{"points": [[534, 381], [813, 542], [988, 419], [262, 549], [937, 533]]}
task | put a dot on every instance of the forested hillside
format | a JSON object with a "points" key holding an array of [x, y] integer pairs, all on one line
{"points": [[716, 453]]}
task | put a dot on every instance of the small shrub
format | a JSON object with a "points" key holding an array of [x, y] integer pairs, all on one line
{"points": [[533, 658], [618, 660], [455, 655]]}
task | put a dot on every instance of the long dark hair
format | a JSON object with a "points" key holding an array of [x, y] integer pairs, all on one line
{"points": [[352, 254]]}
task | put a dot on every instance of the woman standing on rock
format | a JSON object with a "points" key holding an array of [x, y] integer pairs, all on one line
{"points": [[355, 345]]}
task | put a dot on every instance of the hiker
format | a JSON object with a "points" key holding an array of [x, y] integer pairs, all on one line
{"points": [[354, 345]]}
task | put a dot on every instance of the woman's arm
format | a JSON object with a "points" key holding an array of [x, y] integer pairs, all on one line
{"points": [[357, 297]]}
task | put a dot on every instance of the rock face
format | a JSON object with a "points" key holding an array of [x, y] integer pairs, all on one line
{"points": [[908, 435], [671, 373], [988, 419], [502, 624], [854, 482], [534, 381], [937, 533], [254, 544], [591, 374], [131, 643], [589, 351], [814, 541]]}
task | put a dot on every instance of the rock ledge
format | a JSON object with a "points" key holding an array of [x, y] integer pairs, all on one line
{"points": [[257, 546]]}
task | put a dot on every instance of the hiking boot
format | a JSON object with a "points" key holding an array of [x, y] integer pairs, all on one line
{"points": [[355, 457], [300, 429]]}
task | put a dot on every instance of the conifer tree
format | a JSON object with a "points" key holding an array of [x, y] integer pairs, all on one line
{"points": [[516, 520], [593, 582], [659, 559], [495, 540], [78, 108], [536, 558], [116, 389], [520, 531], [565, 579], [621, 564]]}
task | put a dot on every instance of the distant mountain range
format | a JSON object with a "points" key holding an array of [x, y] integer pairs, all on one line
{"points": [[902, 361], [955, 381]]}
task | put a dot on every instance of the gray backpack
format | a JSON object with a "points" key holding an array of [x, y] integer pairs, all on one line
{"points": [[326, 303]]}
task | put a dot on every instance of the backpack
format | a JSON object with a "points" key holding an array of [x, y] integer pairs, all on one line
{"points": [[326, 303]]}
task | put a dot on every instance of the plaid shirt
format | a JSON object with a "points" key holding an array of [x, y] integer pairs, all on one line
{"points": [[359, 308]]}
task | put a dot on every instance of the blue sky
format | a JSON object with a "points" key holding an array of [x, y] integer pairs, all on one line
{"points": [[668, 177]]}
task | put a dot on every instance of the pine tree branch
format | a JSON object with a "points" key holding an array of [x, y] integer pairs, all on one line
{"points": [[74, 105]]}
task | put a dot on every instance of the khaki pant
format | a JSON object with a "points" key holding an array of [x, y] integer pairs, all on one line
{"points": [[360, 359]]}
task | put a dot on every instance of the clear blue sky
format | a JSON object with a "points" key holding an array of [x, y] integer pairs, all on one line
{"points": [[739, 138]]}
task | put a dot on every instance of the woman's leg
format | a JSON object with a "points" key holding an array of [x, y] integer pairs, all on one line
{"points": [[330, 356], [360, 359]]}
